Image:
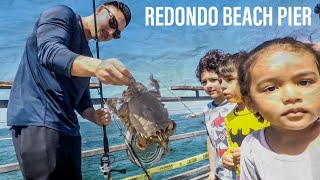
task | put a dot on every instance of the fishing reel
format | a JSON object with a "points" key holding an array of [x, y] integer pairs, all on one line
{"points": [[146, 158], [106, 167]]}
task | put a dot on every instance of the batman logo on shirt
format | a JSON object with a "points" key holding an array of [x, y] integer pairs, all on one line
{"points": [[239, 136]]}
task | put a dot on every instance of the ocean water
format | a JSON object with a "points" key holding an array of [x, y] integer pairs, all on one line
{"points": [[92, 138]]}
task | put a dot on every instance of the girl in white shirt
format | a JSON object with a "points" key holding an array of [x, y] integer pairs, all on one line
{"points": [[280, 81]]}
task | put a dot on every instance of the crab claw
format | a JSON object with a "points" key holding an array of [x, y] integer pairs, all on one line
{"points": [[155, 90], [164, 141], [142, 143], [171, 128], [154, 83]]}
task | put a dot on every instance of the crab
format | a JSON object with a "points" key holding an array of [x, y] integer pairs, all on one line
{"points": [[142, 113]]}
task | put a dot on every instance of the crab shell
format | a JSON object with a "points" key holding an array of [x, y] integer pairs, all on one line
{"points": [[142, 113], [147, 115]]}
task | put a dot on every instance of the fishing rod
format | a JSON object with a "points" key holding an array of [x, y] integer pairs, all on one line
{"points": [[105, 159]]}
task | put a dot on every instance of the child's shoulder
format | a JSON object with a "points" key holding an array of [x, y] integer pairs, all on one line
{"points": [[224, 106], [254, 139]]}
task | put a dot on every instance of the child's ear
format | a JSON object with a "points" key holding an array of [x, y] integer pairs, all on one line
{"points": [[250, 104]]}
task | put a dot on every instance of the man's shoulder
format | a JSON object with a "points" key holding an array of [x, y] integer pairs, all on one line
{"points": [[59, 11], [60, 15], [61, 8]]}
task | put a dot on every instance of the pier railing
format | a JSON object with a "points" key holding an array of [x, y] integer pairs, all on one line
{"points": [[8, 85], [92, 152]]}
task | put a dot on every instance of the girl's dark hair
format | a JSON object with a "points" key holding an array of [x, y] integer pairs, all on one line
{"points": [[287, 43], [210, 61], [231, 64]]}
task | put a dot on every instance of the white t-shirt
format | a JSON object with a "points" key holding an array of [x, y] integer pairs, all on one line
{"points": [[214, 117], [258, 161]]}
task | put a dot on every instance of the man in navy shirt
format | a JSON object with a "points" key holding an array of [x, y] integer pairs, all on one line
{"points": [[52, 82]]}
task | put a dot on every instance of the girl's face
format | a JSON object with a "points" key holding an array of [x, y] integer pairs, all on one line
{"points": [[211, 84], [230, 88], [285, 89]]}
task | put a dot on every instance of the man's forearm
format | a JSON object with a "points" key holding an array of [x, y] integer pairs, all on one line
{"points": [[84, 66], [88, 114]]}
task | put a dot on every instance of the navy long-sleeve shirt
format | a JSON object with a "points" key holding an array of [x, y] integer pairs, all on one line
{"points": [[44, 93]]}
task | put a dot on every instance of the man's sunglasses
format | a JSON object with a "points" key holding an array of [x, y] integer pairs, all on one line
{"points": [[113, 23]]}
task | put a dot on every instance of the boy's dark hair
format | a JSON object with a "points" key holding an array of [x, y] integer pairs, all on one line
{"points": [[289, 44], [231, 64], [210, 61], [122, 7]]}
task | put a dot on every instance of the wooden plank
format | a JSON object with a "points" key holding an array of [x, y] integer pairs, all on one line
{"points": [[202, 176], [195, 174], [93, 152], [94, 86], [187, 135], [5, 85], [9, 167], [193, 88], [8, 85], [164, 99], [4, 103]]}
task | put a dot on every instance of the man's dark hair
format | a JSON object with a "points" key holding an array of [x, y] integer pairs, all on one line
{"points": [[210, 61], [123, 8]]}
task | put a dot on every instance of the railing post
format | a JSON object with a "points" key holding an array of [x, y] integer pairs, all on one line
{"points": [[197, 93]]}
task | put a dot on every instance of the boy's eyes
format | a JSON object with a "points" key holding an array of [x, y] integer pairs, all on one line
{"points": [[229, 79], [304, 83], [213, 80], [269, 89]]}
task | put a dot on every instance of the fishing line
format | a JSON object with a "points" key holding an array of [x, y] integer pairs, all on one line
{"points": [[201, 122], [179, 98]]}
